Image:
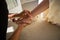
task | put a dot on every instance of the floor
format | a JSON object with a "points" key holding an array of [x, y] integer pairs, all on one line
{"points": [[40, 30]]}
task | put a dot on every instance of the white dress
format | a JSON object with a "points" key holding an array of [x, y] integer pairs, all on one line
{"points": [[54, 11]]}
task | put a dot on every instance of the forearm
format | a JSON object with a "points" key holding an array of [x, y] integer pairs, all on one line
{"points": [[16, 34], [40, 8]]}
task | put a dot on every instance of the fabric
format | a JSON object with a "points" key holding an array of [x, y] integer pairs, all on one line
{"points": [[54, 11], [3, 19]]}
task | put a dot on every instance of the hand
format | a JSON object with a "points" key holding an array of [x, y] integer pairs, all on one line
{"points": [[26, 18], [10, 16]]}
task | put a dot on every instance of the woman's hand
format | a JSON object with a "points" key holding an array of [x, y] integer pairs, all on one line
{"points": [[25, 18], [10, 16]]}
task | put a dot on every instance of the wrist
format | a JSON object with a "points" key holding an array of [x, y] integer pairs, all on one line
{"points": [[22, 25]]}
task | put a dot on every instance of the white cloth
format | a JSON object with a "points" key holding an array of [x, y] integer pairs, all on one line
{"points": [[54, 11]]}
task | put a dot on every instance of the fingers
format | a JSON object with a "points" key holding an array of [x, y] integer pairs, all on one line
{"points": [[22, 21], [11, 16], [25, 19]]}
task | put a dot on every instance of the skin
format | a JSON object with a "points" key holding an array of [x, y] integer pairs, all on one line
{"points": [[27, 20]]}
